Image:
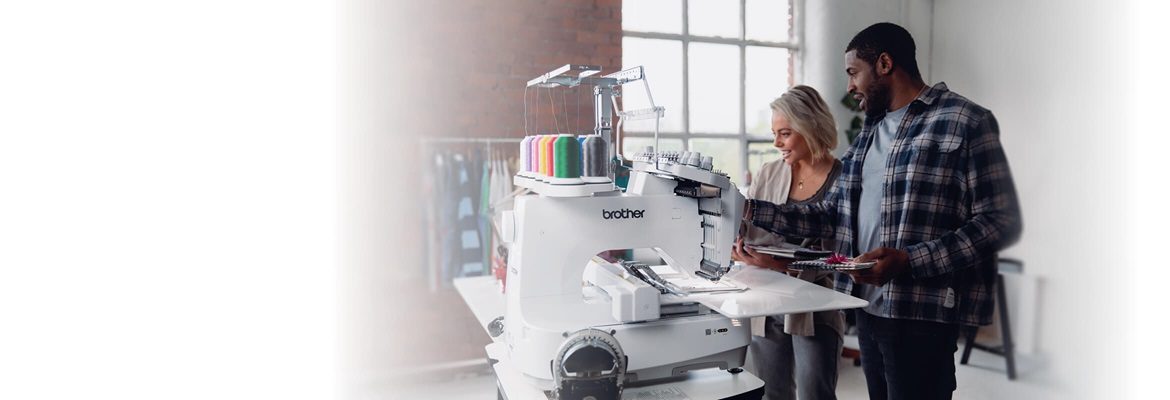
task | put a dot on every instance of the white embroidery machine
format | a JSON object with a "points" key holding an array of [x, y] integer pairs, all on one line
{"points": [[628, 323], [555, 239]]}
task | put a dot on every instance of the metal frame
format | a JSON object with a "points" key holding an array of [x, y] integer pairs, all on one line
{"points": [[605, 93], [742, 136], [1007, 347]]}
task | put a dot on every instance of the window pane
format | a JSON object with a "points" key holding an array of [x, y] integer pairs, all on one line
{"points": [[713, 18], [632, 145], [662, 62], [726, 156], [714, 91], [760, 153], [767, 79], [663, 16], [768, 20]]}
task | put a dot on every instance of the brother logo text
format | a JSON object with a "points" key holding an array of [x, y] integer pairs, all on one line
{"points": [[623, 213]]}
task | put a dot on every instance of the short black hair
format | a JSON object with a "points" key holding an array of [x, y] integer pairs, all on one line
{"points": [[885, 37]]}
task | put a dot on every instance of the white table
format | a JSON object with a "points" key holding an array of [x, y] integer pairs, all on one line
{"points": [[771, 293], [774, 293], [483, 295]]}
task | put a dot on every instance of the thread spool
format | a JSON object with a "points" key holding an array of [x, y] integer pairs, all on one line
{"points": [[525, 154], [566, 157], [541, 157], [594, 157], [534, 155], [537, 157], [544, 155], [537, 154], [581, 158], [542, 149], [551, 154]]}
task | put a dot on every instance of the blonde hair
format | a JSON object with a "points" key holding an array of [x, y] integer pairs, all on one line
{"points": [[810, 118]]}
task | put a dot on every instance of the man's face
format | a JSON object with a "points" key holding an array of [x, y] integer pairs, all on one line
{"points": [[867, 85]]}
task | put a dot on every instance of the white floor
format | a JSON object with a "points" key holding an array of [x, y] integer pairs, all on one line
{"points": [[982, 378]]}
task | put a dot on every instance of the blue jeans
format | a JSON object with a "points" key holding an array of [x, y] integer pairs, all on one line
{"points": [[797, 367], [907, 359]]}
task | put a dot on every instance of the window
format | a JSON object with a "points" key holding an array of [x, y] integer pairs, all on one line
{"points": [[715, 65]]}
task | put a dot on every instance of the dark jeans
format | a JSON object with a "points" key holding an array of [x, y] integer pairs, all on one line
{"points": [[907, 359], [797, 367]]}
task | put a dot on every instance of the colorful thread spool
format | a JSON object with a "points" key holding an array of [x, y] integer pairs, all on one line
{"points": [[542, 148], [537, 157], [550, 155], [566, 157], [526, 154]]}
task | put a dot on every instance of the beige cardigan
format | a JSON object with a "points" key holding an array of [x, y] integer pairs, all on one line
{"points": [[771, 185]]}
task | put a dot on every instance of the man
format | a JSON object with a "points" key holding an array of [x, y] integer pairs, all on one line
{"points": [[926, 193]]}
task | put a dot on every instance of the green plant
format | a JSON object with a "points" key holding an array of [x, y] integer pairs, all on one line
{"points": [[855, 125]]}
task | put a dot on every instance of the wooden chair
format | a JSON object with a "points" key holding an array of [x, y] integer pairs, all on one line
{"points": [[1006, 348]]}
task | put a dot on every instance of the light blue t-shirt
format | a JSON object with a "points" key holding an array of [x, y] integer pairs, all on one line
{"points": [[869, 209]]}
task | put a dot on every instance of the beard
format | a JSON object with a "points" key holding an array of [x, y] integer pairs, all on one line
{"points": [[877, 97]]}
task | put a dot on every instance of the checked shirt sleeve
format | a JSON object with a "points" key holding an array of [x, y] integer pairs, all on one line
{"points": [[994, 221], [811, 220]]}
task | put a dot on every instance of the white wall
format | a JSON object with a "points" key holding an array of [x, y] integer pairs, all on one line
{"points": [[828, 27], [1145, 211], [1061, 77], [1050, 71], [166, 199]]}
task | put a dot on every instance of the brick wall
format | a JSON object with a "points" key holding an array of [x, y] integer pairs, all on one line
{"points": [[457, 68], [487, 50]]}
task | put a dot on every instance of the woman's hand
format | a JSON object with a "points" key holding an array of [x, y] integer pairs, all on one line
{"points": [[752, 257]]}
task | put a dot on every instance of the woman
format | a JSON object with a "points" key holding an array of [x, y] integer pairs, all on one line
{"points": [[796, 354]]}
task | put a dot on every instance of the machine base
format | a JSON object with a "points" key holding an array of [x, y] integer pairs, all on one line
{"points": [[703, 384]]}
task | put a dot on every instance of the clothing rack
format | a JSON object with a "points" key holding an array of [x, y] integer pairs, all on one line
{"points": [[440, 245], [465, 140], [424, 142], [471, 140]]}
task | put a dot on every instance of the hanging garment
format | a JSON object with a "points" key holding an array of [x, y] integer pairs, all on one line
{"points": [[469, 258], [483, 217]]}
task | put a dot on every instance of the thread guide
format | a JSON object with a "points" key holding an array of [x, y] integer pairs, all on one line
{"points": [[548, 168]]}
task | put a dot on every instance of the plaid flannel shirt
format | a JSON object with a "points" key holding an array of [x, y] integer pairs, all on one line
{"points": [[948, 200]]}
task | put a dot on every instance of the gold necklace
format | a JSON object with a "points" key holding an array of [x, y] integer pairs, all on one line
{"points": [[800, 184]]}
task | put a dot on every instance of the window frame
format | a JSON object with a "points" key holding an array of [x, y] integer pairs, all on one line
{"points": [[741, 137]]}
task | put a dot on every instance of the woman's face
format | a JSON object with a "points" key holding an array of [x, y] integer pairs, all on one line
{"points": [[791, 144]]}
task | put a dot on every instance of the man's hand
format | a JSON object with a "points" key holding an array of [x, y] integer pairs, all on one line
{"points": [[890, 263], [752, 257]]}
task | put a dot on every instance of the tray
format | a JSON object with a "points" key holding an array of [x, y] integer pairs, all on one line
{"points": [[820, 264], [797, 253]]}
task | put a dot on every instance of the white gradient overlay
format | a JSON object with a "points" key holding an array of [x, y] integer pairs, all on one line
{"points": [[166, 200]]}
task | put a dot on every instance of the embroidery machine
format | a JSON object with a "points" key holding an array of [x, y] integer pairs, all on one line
{"points": [[576, 324]]}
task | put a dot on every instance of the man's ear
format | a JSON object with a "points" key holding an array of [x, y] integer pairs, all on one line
{"points": [[884, 64]]}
